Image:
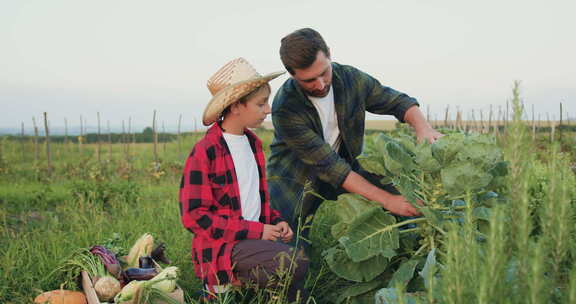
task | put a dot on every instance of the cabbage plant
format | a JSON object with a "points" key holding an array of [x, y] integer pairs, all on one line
{"points": [[450, 181]]}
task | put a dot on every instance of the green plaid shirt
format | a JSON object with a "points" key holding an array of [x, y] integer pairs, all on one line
{"points": [[299, 153]]}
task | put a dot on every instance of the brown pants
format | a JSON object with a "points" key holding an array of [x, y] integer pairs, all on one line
{"points": [[265, 263]]}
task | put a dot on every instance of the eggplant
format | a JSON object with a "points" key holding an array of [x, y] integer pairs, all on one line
{"points": [[158, 254], [146, 262], [140, 274]]}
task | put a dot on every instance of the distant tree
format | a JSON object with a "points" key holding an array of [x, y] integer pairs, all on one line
{"points": [[147, 134]]}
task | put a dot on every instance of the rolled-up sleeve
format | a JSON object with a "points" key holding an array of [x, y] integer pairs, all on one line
{"points": [[310, 147]]}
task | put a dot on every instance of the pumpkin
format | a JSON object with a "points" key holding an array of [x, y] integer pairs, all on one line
{"points": [[61, 297]]}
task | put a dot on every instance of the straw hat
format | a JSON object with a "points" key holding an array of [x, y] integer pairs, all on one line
{"points": [[233, 81]]}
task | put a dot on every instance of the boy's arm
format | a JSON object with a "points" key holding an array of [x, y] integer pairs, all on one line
{"points": [[196, 199]]}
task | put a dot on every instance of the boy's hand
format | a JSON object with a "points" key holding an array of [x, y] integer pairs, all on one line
{"points": [[286, 233], [271, 232]]}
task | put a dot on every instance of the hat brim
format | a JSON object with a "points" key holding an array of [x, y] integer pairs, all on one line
{"points": [[231, 94]]}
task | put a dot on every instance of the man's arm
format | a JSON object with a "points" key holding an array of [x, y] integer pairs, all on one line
{"points": [[396, 204], [423, 129]]}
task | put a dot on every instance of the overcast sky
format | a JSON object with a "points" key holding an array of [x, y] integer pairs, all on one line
{"points": [[126, 58]]}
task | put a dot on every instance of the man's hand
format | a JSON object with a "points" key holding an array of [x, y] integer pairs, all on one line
{"points": [[428, 134], [285, 231], [398, 205], [271, 232], [424, 131]]}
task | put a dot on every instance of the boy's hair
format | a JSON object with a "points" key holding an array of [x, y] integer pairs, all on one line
{"points": [[298, 50], [245, 98]]}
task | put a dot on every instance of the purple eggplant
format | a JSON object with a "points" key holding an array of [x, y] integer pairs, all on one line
{"points": [[140, 274], [159, 255]]}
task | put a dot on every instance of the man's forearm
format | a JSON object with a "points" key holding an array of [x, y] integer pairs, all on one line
{"points": [[355, 183], [415, 118]]}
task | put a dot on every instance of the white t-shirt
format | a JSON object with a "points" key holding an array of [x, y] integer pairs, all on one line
{"points": [[247, 174], [326, 111]]}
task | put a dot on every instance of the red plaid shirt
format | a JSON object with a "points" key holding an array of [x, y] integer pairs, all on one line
{"points": [[210, 205]]}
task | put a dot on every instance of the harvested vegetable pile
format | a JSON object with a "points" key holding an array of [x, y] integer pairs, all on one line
{"points": [[135, 278]]}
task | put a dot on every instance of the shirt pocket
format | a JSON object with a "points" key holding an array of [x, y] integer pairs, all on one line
{"points": [[221, 184]]}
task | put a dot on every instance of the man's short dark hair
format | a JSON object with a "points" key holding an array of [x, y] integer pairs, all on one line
{"points": [[298, 50]]}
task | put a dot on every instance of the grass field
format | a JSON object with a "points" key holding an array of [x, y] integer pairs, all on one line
{"points": [[44, 218]]}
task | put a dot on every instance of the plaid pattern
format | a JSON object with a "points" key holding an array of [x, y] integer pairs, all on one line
{"points": [[299, 153], [210, 205]]}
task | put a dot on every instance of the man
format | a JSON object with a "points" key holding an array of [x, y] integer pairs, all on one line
{"points": [[319, 117]]}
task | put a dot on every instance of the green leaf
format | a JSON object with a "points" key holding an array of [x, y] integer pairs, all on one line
{"points": [[344, 267], [400, 156], [371, 234], [446, 147], [324, 219], [393, 296], [499, 169], [481, 213], [480, 150], [357, 289], [404, 274], [424, 158], [429, 270], [372, 164], [406, 187], [461, 177]]}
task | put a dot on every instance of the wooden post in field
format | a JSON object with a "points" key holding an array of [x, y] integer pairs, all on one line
{"points": [[155, 140], [178, 136], [428, 113], [36, 148], [109, 142], [446, 116], [66, 135], [99, 149], [164, 137], [560, 125], [551, 127], [506, 114], [473, 125], [81, 138], [48, 156], [459, 120], [123, 139], [133, 140], [22, 142], [482, 127], [489, 121]]}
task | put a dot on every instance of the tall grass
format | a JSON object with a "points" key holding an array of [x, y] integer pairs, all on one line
{"points": [[524, 254]]}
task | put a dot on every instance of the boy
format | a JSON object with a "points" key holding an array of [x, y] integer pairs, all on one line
{"points": [[224, 197]]}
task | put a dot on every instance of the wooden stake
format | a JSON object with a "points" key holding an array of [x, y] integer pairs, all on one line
{"points": [[164, 139], [155, 140], [36, 146], [99, 150], [560, 125], [551, 127], [22, 142], [533, 125], [48, 156], [66, 134], [109, 142], [446, 116], [490, 120], [81, 139], [482, 128]]}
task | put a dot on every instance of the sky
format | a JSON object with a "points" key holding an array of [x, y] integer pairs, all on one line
{"points": [[126, 58]]}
